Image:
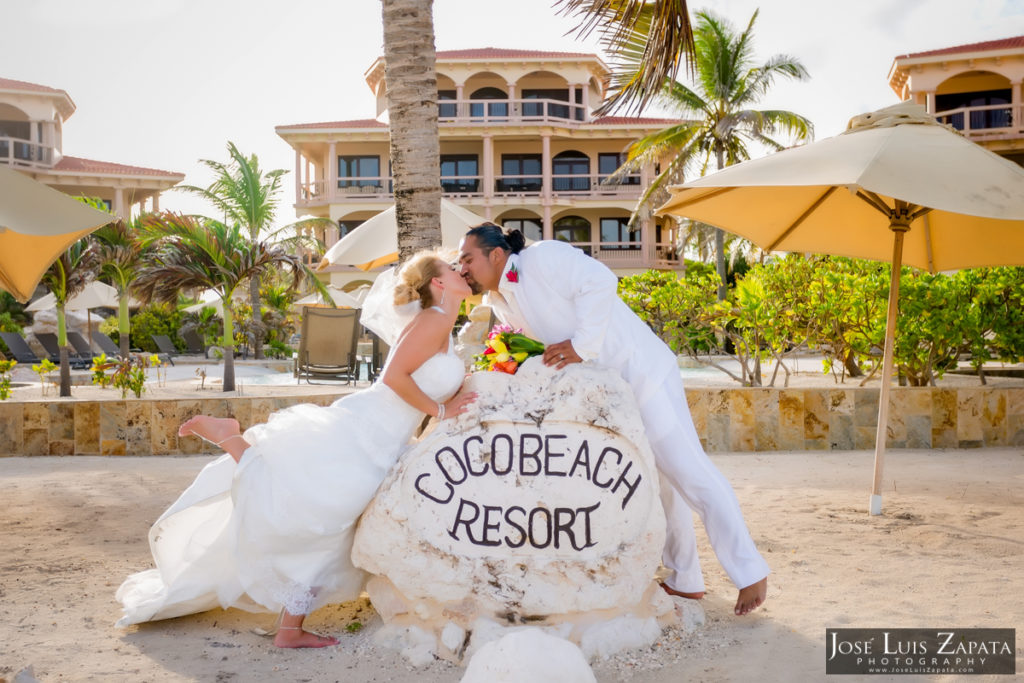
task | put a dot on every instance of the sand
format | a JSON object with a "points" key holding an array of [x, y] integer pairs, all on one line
{"points": [[947, 552]]}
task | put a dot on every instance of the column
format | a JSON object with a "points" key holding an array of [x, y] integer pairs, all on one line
{"points": [[332, 170], [298, 176], [513, 107], [119, 206], [586, 101], [545, 166], [572, 101], [309, 179], [1016, 115], [156, 202], [460, 109], [546, 227], [488, 169], [929, 101]]}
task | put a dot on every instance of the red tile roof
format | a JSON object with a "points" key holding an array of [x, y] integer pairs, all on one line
{"points": [[354, 123], [91, 166], [627, 120], [988, 45], [501, 53], [11, 84]]}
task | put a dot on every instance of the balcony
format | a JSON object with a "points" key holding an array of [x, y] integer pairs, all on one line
{"points": [[986, 122], [631, 254], [18, 152], [516, 111], [577, 186]]}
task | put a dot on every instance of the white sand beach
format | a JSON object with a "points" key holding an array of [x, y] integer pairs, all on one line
{"points": [[946, 552]]}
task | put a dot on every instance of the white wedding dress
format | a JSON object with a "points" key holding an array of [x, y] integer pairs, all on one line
{"points": [[276, 529]]}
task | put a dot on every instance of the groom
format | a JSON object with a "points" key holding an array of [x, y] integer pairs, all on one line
{"points": [[567, 300]]}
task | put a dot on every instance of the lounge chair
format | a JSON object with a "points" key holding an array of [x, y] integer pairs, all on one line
{"points": [[106, 345], [165, 347], [327, 346], [19, 348], [49, 342], [80, 345], [193, 342]]}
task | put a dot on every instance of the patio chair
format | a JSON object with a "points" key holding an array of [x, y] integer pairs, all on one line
{"points": [[193, 341], [80, 345], [327, 346], [106, 345], [19, 348], [52, 347], [165, 347], [379, 356]]}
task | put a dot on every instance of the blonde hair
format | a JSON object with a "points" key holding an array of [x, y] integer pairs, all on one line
{"points": [[415, 276]]}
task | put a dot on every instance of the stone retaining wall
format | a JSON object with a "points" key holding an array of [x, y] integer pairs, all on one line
{"points": [[737, 419]]}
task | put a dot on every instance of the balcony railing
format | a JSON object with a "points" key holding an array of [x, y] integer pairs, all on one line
{"points": [[510, 111], [18, 152], [631, 254], [990, 120], [582, 185]]}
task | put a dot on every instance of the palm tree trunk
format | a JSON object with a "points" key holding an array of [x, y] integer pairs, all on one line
{"points": [[123, 326], [228, 346], [412, 110], [723, 289], [62, 341], [257, 317]]}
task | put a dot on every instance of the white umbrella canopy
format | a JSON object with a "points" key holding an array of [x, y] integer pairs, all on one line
{"points": [[947, 202], [375, 242], [342, 299], [96, 294], [209, 298], [37, 223]]}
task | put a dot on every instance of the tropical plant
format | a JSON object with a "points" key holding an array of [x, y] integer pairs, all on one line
{"points": [[657, 36], [8, 323], [194, 253], [43, 369], [410, 58], [157, 317], [247, 195], [65, 277], [121, 256], [716, 123], [6, 368], [14, 310]]}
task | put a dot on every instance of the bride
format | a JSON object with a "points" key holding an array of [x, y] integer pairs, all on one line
{"points": [[269, 525]]}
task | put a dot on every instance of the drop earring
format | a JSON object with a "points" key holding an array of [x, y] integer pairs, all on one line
{"points": [[443, 294]]}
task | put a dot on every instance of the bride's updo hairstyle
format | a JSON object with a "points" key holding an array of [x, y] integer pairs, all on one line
{"points": [[414, 279], [489, 237]]}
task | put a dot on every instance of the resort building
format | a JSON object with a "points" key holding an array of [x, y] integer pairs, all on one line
{"points": [[520, 146], [32, 141], [976, 88]]}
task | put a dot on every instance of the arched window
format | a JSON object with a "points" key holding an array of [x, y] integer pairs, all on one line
{"points": [[570, 172], [575, 230], [530, 227], [494, 109]]}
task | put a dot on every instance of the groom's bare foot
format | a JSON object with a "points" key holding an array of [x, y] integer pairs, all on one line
{"points": [[751, 597], [213, 429], [289, 637], [681, 594]]}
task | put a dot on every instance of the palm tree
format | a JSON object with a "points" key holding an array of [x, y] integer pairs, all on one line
{"points": [[247, 195], [190, 252], [716, 121], [66, 277], [656, 36], [411, 79], [121, 256]]}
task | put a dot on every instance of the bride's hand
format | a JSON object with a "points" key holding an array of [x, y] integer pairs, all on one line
{"points": [[459, 403]]}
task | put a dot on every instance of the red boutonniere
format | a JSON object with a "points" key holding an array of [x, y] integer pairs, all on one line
{"points": [[512, 275]]}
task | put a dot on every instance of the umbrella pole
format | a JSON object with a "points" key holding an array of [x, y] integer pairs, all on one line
{"points": [[887, 362]]}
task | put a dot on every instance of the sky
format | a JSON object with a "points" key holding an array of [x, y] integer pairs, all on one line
{"points": [[164, 83]]}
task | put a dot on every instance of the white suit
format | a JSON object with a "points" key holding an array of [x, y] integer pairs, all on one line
{"points": [[555, 292]]}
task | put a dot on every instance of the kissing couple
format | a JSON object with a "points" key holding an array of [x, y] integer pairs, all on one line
{"points": [[268, 527]]}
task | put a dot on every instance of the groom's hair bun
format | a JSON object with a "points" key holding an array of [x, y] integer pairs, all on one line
{"points": [[489, 237], [414, 279]]}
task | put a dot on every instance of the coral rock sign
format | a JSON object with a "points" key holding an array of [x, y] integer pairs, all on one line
{"points": [[540, 506]]}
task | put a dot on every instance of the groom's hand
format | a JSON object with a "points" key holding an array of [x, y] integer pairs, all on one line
{"points": [[560, 355]]}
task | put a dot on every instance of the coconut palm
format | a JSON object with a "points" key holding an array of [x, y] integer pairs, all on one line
{"points": [[411, 79], [121, 256], [716, 121], [66, 277], [247, 195], [191, 252], [656, 36]]}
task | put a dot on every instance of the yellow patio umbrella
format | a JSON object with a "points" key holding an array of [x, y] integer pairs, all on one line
{"points": [[946, 202], [37, 223], [375, 242]]}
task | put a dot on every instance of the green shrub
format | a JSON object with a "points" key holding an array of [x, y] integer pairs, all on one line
{"points": [[8, 323], [155, 319]]}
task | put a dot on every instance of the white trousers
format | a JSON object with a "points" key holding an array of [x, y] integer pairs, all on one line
{"points": [[691, 482]]}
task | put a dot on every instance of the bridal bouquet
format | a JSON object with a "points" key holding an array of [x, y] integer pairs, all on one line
{"points": [[506, 349]]}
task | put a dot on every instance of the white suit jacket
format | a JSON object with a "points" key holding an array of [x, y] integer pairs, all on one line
{"points": [[555, 292]]}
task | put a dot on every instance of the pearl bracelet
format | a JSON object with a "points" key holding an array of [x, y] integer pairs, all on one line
{"points": [[440, 411]]}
